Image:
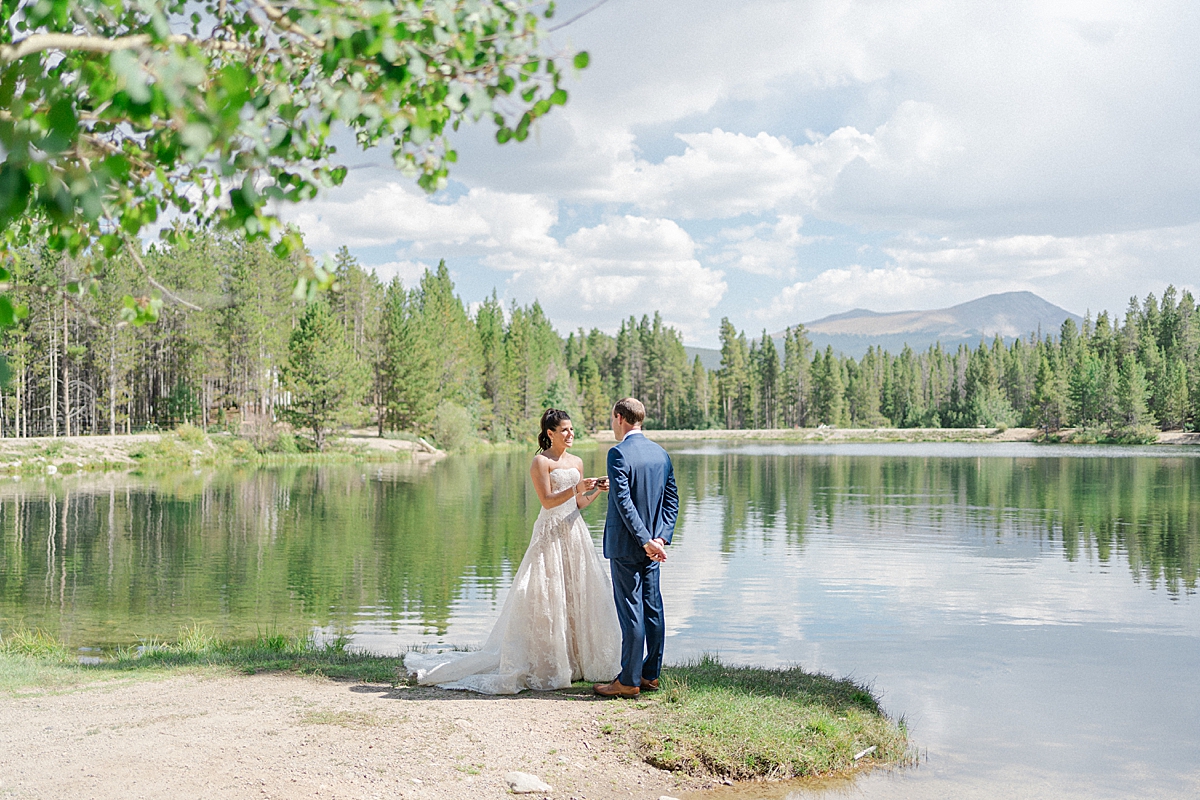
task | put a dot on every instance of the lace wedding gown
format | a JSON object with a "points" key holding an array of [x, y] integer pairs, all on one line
{"points": [[558, 624]]}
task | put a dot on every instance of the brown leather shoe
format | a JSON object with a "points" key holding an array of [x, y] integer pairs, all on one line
{"points": [[616, 689], [649, 686]]}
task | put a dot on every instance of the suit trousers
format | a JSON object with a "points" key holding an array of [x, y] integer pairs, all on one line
{"points": [[640, 612]]}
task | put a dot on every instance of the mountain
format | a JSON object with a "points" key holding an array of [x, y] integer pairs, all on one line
{"points": [[711, 359], [1009, 314]]}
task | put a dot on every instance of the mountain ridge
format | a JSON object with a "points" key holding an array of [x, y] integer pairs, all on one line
{"points": [[1007, 314], [1010, 315]]}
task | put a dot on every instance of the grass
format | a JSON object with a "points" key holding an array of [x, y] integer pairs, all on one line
{"points": [[1121, 434], [32, 659], [749, 722]]}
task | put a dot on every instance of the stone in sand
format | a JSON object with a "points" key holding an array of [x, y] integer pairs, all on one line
{"points": [[524, 783]]}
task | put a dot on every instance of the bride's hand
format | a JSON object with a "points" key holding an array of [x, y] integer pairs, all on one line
{"points": [[586, 486]]}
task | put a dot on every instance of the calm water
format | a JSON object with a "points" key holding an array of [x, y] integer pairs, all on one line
{"points": [[1031, 611]]}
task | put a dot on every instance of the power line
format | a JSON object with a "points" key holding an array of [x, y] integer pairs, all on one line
{"points": [[578, 16]]}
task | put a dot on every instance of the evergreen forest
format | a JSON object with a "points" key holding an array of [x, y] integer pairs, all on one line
{"points": [[235, 347]]}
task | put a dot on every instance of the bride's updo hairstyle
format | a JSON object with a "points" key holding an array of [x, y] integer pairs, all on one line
{"points": [[551, 419]]}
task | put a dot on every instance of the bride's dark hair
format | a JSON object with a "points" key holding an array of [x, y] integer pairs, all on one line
{"points": [[551, 419]]}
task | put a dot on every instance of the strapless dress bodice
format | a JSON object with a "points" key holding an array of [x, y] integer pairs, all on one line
{"points": [[561, 478]]}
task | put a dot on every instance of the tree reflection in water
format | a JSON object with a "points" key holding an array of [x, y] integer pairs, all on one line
{"points": [[110, 559]]}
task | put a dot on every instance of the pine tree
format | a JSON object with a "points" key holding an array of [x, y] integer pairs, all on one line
{"points": [[1132, 393], [734, 376], [796, 380], [828, 388], [442, 320], [408, 374], [489, 328], [767, 375], [1049, 396], [865, 390], [596, 404], [321, 373], [699, 398]]}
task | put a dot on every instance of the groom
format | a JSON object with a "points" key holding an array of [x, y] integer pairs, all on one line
{"points": [[642, 506]]}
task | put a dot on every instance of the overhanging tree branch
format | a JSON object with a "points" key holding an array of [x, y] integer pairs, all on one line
{"points": [[137, 259], [41, 42]]}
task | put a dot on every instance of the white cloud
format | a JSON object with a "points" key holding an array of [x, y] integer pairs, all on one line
{"points": [[765, 248], [1080, 273], [624, 266], [723, 175], [369, 212], [596, 276], [1076, 273], [409, 272], [855, 286], [1026, 117], [1048, 147]]}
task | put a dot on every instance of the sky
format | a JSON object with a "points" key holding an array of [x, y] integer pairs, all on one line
{"points": [[776, 162]]}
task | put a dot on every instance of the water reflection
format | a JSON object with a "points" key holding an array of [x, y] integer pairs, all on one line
{"points": [[428, 554], [1145, 507], [105, 561], [1030, 610]]}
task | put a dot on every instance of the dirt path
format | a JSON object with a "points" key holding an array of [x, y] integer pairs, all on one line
{"points": [[279, 736]]}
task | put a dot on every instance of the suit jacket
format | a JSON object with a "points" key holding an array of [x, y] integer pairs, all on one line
{"points": [[642, 499]]}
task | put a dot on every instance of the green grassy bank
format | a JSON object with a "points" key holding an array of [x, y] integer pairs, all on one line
{"points": [[748, 722], [32, 661], [709, 719]]}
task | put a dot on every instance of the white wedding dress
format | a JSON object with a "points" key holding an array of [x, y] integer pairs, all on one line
{"points": [[558, 624]]}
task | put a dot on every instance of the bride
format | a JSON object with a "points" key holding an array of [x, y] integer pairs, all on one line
{"points": [[559, 622]]}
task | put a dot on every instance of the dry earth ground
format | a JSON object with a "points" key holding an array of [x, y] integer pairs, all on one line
{"points": [[282, 736]]}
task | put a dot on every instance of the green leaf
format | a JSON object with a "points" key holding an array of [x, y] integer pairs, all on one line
{"points": [[138, 311], [8, 313], [62, 118], [522, 131], [124, 64], [14, 193], [196, 135], [581, 59]]}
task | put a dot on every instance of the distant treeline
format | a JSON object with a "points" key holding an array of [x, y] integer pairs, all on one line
{"points": [[415, 360]]}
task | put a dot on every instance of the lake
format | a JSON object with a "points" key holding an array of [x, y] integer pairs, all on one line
{"points": [[1030, 610]]}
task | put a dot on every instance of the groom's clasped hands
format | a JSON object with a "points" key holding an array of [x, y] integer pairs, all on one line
{"points": [[655, 549]]}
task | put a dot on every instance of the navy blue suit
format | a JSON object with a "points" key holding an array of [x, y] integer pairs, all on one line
{"points": [[642, 505]]}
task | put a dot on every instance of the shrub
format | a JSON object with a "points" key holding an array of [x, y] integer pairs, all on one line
{"points": [[190, 434], [1135, 434], [453, 426], [285, 442]]}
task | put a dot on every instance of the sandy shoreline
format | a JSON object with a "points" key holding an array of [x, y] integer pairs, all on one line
{"points": [[116, 451], [869, 435], [283, 736]]}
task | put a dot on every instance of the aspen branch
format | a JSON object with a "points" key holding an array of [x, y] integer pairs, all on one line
{"points": [[277, 17], [137, 259], [40, 42]]}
